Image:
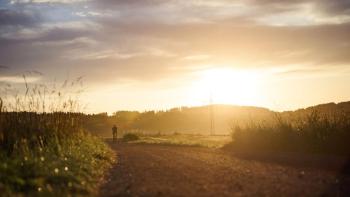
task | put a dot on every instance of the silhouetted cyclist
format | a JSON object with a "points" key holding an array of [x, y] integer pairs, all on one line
{"points": [[114, 132]]}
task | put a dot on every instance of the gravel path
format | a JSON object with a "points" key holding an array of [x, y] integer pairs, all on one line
{"points": [[161, 170]]}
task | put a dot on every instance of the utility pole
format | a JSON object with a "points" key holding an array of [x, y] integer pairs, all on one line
{"points": [[212, 120]]}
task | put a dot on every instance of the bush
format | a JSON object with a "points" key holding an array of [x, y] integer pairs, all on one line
{"points": [[130, 137], [315, 132]]}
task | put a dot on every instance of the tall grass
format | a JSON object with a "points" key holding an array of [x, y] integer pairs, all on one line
{"points": [[44, 148], [32, 116], [313, 132]]}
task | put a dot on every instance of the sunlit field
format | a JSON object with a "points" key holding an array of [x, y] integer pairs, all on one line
{"points": [[186, 140]]}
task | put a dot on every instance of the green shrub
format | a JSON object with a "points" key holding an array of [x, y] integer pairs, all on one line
{"points": [[130, 137]]}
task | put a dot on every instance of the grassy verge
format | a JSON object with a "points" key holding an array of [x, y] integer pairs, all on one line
{"points": [[75, 170], [187, 140], [44, 149], [314, 133]]}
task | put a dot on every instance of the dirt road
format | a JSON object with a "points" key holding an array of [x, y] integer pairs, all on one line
{"points": [[160, 170]]}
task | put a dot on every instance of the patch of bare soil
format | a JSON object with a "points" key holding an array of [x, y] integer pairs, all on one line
{"points": [[161, 170]]}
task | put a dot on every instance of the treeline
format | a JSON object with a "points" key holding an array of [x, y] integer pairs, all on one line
{"points": [[197, 120], [191, 120]]}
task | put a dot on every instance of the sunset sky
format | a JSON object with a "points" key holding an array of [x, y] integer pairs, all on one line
{"points": [[154, 54]]}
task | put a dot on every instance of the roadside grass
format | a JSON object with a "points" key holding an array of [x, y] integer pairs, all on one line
{"points": [[315, 132], [76, 170], [186, 140], [44, 149]]}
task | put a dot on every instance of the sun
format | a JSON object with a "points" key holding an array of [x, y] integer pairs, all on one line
{"points": [[225, 86]]}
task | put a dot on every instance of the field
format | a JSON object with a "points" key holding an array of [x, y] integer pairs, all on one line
{"points": [[187, 140]]}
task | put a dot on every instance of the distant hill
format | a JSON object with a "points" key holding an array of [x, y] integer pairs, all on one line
{"points": [[198, 119], [344, 106], [326, 108]]}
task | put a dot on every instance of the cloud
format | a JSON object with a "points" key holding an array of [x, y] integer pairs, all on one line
{"points": [[3, 67], [197, 57], [110, 4], [10, 17], [330, 7], [18, 79], [245, 7], [323, 44], [45, 1], [339, 7], [146, 40]]}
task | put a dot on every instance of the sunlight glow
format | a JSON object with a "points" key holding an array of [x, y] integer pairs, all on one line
{"points": [[226, 86]]}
